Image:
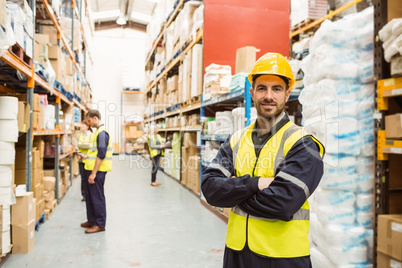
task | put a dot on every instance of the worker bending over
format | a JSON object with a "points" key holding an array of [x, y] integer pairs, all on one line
{"points": [[265, 173], [98, 163]]}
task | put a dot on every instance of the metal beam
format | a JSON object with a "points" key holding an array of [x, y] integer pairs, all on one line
{"points": [[106, 25]]}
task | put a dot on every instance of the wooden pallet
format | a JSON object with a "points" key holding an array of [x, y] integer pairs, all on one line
{"points": [[302, 24], [190, 101], [20, 53], [49, 212]]}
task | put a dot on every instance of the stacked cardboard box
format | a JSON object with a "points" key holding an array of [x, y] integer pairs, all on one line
{"points": [[49, 195], [172, 90], [193, 175], [37, 176], [190, 161], [197, 71], [389, 244], [41, 48], [23, 223]]}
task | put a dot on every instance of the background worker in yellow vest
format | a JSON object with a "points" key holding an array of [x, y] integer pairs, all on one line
{"points": [[156, 150], [84, 142], [98, 163], [265, 173]]}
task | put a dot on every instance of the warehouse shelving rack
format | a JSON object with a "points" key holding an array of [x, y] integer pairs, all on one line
{"points": [[228, 101], [388, 153], [35, 82]]}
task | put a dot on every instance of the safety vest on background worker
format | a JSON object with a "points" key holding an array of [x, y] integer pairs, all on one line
{"points": [[154, 152], [84, 142], [93, 152], [268, 237]]}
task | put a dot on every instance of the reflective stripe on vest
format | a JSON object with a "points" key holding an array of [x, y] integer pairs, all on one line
{"points": [[106, 164], [268, 237], [84, 140], [154, 152]]}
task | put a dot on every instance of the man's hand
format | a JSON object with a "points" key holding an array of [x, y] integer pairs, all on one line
{"points": [[91, 178], [83, 156], [264, 183]]}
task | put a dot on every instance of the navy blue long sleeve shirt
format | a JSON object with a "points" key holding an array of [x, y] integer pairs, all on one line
{"points": [[101, 143], [281, 199]]}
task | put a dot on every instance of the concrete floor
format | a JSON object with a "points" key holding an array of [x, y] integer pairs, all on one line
{"points": [[146, 226]]}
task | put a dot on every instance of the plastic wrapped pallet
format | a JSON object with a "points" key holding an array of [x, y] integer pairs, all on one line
{"points": [[301, 10], [338, 110]]}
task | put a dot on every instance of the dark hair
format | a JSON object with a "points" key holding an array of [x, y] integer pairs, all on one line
{"points": [[92, 113], [85, 122], [285, 79]]}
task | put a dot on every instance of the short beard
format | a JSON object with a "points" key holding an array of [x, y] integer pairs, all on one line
{"points": [[271, 118]]}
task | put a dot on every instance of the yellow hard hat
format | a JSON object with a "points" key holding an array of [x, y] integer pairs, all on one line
{"points": [[275, 64]]}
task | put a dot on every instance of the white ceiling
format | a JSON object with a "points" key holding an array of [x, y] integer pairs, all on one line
{"points": [[139, 11]]}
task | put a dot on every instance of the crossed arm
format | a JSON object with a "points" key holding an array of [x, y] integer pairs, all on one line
{"points": [[275, 198]]}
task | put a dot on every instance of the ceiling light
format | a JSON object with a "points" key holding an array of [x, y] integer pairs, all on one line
{"points": [[121, 21]]}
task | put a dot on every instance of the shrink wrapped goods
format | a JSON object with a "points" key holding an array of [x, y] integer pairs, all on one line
{"points": [[338, 110]]}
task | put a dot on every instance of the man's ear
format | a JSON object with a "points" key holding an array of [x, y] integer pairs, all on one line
{"points": [[288, 91]]}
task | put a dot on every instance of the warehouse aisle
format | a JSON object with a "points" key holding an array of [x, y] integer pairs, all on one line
{"points": [[146, 226]]}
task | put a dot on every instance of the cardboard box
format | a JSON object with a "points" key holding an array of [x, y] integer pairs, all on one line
{"points": [[49, 183], [69, 66], [394, 9], [40, 207], [386, 261], [54, 52], [38, 191], [194, 120], [41, 49], [37, 176], [393, 126], [390, 235], [194, 175], [35, 158], [40, 144], [23, 116], [19, 176], [24, 238], [36, 124], [51, 203], [245, 59], [24, 210], [20, 158], [197, 72], [189, 139], [48, 196], [51, 31], [59, 68]]}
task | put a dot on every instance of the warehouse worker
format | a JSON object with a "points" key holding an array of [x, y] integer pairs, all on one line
{"points": [[156, 150], [98, 163], [83, 145], [265, 173]]}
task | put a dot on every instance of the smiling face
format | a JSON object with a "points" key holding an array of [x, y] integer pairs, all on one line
{"points": [[269, 93]]}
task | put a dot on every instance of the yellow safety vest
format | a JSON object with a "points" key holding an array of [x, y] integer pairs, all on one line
{"points": [[268, 237], [93, 152], [84, 141], [154, 152]]}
